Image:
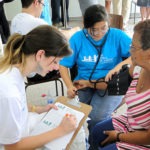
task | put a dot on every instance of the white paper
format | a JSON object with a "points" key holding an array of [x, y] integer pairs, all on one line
{"points": [[51, 120]]}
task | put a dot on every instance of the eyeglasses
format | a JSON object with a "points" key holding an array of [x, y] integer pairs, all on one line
{"points": [[133, 48], [41, 3], [94, 31]]}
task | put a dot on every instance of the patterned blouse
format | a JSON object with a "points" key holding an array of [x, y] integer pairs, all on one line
{"points": [[137, 116]]}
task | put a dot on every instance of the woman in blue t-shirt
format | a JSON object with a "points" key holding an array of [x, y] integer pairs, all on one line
{"points": [[97, 49]]}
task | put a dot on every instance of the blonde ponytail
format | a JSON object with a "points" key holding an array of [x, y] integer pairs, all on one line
{"points": [[13, 52]]}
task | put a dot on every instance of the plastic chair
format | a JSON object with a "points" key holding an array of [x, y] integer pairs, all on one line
{"points": [[51, 76]]}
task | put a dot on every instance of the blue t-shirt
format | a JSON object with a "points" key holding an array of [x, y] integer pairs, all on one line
{"points": [[85, 54]]}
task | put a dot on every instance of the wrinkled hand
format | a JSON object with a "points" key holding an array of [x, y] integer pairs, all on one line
{"points": [[112, 135], [80, 84], [71, 91], [68, 124]]}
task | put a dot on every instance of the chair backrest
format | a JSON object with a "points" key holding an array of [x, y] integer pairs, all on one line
{"points": [[116, 21], [51, 76]]}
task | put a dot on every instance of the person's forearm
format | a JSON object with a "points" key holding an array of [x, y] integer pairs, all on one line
{"points": [[33, 142], [36, 109], [65, 76], [99, 85], [86, 83], [137, 137], [31, 108]]}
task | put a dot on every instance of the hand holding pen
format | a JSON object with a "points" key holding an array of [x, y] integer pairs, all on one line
{"points": [[69, 123]]}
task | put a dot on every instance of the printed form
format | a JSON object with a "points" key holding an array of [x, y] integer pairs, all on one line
{"points": [[51, 120]]}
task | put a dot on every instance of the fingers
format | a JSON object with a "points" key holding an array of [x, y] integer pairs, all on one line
{"points": [[71, 92], [50, 106], [103, 143], [75, 82], [105, 132], [72, 119], [109, 75]]}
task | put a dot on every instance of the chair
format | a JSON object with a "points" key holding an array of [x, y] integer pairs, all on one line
{"points": [[51, 76], [116, 21]]}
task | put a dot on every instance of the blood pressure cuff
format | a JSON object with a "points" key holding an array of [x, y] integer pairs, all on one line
{"points": [[120, 82]]}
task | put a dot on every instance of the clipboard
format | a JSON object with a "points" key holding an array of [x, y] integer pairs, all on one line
{"points": [[53, 118], [86, 109]]}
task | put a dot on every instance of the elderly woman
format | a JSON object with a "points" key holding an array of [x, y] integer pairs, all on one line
{"points": [[132, 130]]}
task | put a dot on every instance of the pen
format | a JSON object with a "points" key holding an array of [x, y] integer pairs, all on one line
{"points": [[67, 115]]}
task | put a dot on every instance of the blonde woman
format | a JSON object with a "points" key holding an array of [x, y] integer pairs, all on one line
{"points": [[38, 51]]}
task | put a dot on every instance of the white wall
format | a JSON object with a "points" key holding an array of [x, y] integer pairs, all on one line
{"points": [[74, 8], [14, 7]]}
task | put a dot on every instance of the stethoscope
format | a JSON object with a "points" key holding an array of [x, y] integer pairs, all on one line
{"points": [[99, 49]]}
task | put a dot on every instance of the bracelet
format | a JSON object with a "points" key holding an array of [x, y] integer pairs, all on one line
{"points": [[33, 108], [117, 138]]}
